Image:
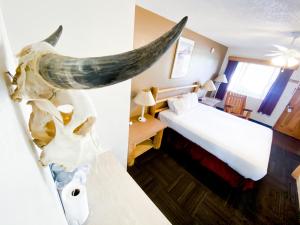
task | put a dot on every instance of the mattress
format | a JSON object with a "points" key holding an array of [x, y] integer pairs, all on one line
{"points": [[244, 145]]}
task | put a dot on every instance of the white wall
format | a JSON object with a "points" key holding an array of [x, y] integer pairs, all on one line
{"points": [[91, 28], [23, 182], [253, 103], [96, 27]]}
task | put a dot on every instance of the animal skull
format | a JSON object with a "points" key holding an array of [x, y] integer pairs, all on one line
{"points": [[67, 138], [28, 83], [47, 80]]}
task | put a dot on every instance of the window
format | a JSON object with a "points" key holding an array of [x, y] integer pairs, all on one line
{"points": [[252, 79]]}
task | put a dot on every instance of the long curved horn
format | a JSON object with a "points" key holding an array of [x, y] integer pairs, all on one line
{"points": [[53, 38], [85, 73]]}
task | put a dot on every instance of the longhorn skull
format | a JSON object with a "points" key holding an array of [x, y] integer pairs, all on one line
{"points": [[66, 137], [48, 80]]}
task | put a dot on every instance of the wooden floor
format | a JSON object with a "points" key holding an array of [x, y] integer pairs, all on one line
{"points": [[190, 195]]}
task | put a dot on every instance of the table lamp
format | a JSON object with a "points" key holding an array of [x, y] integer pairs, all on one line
{"points": [[221, 79], [209, 86], [144, 98]]}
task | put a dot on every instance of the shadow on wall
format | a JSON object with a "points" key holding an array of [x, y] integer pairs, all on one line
{"points": [[134, 108]]}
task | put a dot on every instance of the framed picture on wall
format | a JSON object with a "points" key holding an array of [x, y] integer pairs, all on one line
{"points": [[183, 56]]}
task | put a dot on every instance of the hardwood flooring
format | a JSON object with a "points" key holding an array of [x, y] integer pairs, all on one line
{"points": [[191, 195]]}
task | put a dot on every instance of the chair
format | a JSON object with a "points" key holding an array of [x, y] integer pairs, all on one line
{"points": [[235, 104]]}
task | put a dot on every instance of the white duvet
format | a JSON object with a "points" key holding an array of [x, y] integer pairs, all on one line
{"points": [[244, 145]]}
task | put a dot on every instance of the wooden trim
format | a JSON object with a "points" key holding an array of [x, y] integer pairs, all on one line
{"points": [[161, 103], [154, 91], [177, 88], [250, 60], [157, 139], [161, 109], [197, 88], [166, 99], [256, 61]]}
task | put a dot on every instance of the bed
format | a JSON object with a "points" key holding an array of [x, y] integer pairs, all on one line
{"points": [[242, 145], [245, 146]]}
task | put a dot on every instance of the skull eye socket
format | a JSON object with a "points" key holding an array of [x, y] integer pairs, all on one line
{"points": [[85, 127], [66, 112]]}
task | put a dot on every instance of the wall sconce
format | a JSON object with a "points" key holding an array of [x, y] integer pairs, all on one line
{"points": [[212, 50]]}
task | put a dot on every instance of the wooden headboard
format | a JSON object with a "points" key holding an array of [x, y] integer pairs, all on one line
{"points": [[161, 102]]}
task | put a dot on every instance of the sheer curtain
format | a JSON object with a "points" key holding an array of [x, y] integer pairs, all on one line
{"points": [[253, 80]]}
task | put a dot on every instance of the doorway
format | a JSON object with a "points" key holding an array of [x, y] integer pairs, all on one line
{"points": [[289, 121]]}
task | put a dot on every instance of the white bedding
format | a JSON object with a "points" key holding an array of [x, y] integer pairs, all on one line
{"points": [[245, 146]]}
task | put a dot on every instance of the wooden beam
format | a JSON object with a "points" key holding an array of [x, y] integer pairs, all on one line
{"points": [[257, 61], [166, 99], [178, 88], [250, 60]]}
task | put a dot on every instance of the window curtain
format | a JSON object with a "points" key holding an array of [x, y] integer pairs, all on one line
{"points": [[270, 101], [231, 66]]}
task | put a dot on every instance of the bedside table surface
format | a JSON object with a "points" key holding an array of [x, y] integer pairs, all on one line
{"points": [[139, 131], [210, 101]]}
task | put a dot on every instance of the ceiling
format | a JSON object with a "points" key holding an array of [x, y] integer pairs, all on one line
{"points": [[235, 23]]}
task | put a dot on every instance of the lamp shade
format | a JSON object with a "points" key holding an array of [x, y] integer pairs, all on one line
{"points": [[209, 86], [144, 98], [221, 79]]}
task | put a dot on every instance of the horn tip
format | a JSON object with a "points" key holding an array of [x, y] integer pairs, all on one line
{"points": [[53, 38], [185, 19], [60, 28]]}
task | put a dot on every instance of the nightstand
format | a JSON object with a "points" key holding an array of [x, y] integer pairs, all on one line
{"points": [[209, 101], [144, 136]]}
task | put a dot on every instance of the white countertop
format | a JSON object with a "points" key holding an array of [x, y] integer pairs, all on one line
{"points": [[116, 199]]}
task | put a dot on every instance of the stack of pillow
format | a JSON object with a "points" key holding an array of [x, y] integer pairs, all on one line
{"points": [[183, 103]]}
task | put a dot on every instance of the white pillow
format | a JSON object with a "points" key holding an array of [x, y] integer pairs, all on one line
{"points": [[171, 103], [194, 100], [187, 100], [180, 106], [191, 100]]}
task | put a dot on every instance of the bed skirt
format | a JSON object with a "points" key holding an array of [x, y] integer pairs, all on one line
{"points": [[183, 147]]}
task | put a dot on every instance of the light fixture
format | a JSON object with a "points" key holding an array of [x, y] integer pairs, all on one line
{"points": [[286, 57], [221, 79], [144, 98], [285, 61], [209, 86]]}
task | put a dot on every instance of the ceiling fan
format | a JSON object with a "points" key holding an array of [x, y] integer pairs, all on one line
{"points": [[286, 57]]}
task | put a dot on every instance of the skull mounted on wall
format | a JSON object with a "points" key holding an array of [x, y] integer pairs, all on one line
{"points": [[64, 129], [47, 79]]}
